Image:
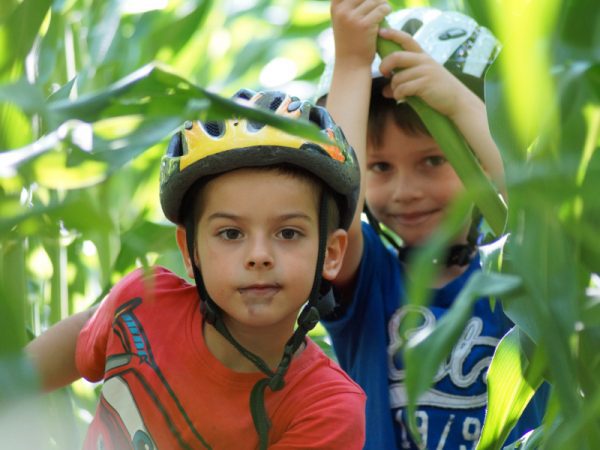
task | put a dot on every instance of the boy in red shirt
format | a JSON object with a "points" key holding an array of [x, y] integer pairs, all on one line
{"points": [[261, 218]]}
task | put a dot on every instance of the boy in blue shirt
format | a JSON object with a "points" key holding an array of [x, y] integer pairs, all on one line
{"points": [[409, 187]]}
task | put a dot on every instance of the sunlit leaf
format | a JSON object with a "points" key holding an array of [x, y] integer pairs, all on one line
{"points": [[52, 171], [581, 430], [530, 441], [526, 73], [12, 295], [19, 30], [512, 380]]}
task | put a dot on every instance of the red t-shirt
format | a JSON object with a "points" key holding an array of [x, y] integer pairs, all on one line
{"points": [[164, 389]]}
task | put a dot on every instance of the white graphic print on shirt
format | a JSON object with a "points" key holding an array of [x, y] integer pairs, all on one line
{"points": [[452, 382]]}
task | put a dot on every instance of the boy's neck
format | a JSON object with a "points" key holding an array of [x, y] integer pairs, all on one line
{"points": [[448, 274], [444, 275], [269, 347]]}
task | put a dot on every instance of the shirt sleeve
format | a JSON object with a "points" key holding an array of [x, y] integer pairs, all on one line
{"points": [[92, 343], [378, 274]]}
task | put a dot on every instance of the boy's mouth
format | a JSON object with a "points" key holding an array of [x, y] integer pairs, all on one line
{"points": [[412, 218], [260, 290]]}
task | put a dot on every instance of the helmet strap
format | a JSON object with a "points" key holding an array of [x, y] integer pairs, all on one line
{"points": [[457, 255], [320, 303]]}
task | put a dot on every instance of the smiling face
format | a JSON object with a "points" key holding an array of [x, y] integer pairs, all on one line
{"points": [[257, 244], [410, 184]]}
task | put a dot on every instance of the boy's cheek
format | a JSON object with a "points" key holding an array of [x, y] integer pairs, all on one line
{"points": [[375, 197]]}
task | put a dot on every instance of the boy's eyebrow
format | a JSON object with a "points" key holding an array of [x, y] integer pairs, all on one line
{"points": [[430, 149], [287, 216]]}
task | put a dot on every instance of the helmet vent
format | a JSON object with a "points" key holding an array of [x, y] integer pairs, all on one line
{"points": [[246, 94], [318, 116], [294, 105], [276, 103], [214, 128], [452, 33], [412, 26], [175, 149]]}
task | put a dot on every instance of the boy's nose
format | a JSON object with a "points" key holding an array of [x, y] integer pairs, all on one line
{"points": [[406, 188], [253, 263], [259, 256]]}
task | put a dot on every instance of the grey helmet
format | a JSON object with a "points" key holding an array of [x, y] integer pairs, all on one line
{"points": [[453, 39]]}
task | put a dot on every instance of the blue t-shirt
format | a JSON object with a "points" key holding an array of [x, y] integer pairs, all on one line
{"points": [[365, 338]]}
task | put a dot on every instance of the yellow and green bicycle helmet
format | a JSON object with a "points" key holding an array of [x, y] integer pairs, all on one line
{"points": [[209, 148]]}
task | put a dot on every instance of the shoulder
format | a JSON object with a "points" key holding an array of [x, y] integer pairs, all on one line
{"points": [[148, 286], [324, 375], [142, 290], [378, 283], [375, 249], [161, 276], [147, 281], [323, 407], [380, 269]]}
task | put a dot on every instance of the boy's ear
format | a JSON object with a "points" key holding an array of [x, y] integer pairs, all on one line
{"points": [[183, 248], [334, 255]]}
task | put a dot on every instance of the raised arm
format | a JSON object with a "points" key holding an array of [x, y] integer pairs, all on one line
{"points": [[422, 76], [53, 352], [355, 25]]}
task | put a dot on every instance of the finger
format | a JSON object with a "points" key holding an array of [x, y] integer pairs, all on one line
{"points": [[346, 3], [378, 13], [401, 60], [418, 72], [387, 91], [407, 76], [373, 10], [406, 41], [409, 89], [354, 5]]}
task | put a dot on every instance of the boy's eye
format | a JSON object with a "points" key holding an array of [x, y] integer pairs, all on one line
{"points": [[380, 167], [230, 234], [435, 161], [289, 233]]}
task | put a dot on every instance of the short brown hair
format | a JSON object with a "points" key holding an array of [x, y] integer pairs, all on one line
{"points": [[405, 117]]}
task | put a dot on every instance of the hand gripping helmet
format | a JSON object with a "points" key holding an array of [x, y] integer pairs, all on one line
{"points": [[463, 47], [207, 149], [451, 38]]}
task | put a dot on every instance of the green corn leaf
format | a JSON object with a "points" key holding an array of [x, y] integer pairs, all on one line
{"points": [[154, 89], [18, 32], [457, 151], [13, 291], [530, 441], [512, 381], [163, 98], [580, 431]]}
